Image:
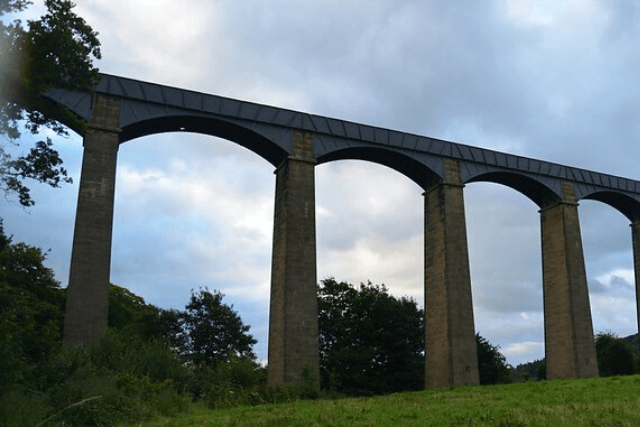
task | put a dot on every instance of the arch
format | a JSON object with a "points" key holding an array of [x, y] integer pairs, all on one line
{"points": [[609, 314], [539, 193], [247, 138], [418, 172], [505, 260], [625, 204], [218, 215]]}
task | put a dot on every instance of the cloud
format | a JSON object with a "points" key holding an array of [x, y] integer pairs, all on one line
{"points": [[522, 351], [188, 219], [162, 40]]}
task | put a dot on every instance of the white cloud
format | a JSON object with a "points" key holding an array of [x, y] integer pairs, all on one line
{"points": [[523, 352], [620, 276], [614, 313], [162, 40], [531, 13]]}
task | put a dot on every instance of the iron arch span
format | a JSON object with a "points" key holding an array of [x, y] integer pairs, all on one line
{"points": [[418, 172], [240, 135], [536, 191], [623, 203]]}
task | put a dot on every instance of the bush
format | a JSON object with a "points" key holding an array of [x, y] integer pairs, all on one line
{"points": [[227, 384], [119, 379], [492, 365], [615, 355], [370, 341]]}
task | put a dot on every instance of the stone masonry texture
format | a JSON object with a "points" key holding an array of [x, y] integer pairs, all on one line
{"points": [[451, 355], [635, 233], [88, 290], [293, 317], [569, 345]]}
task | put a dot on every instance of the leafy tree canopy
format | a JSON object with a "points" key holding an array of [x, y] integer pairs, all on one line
{"points": [[492, 365], [56, 50], [615, 355], [370, 341], [208, 332], [214, 333], [31, 309], [130, 313]]}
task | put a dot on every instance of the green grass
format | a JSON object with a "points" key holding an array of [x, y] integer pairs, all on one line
{"points": [[595, 402]]}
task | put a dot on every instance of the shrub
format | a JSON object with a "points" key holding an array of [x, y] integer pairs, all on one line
{"points": [[615, 355]]}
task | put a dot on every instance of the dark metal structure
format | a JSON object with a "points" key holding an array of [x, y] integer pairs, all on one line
{"points": [[148, 108]]}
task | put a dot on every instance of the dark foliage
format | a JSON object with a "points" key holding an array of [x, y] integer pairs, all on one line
{"points": [[635, 343], [213, 331], [530, 370], [130, 313], [370, 341], [134, 372], [615, 355], [492, 365], [57, 50], [31, 310]]}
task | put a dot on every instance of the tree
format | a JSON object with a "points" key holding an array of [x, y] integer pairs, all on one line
{"points": [[214, 333], [492, 365], [370, 341], [535, 369], [129, 312], [31, 310], [615, 355], [56, 50]]}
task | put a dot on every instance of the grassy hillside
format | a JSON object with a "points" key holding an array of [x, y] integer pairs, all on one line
{"points": [[600, 401]]}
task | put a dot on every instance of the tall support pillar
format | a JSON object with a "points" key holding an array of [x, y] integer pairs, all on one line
{"points": [[635, 235], [88, 290], [451, 354], [569, 344], [293, 316]]}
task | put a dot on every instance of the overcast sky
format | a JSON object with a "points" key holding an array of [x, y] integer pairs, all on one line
{"points": [[554, 80]]}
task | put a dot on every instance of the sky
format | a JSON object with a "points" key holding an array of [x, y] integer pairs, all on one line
{"points": [[553, 80]]}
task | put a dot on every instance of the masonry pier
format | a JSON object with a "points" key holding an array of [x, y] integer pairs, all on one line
{"points": [[88, 290], [293, 316], [635, 237], [451, 355], [568, 329]]}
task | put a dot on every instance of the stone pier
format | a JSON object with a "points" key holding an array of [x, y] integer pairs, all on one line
{"points": [[451, 355], [569, 344], [635, 235], [293, 317], [88, 291]]}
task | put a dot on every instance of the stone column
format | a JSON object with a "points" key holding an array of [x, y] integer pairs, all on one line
{"points": [[88, 290], [293, 316], [451, 354], [569, 344], [635, 234]]}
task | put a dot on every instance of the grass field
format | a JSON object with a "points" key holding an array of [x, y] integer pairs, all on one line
{"points": [[611, 401]]}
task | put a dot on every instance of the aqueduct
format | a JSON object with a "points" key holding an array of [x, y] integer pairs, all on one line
{"points": [[122, 109]]}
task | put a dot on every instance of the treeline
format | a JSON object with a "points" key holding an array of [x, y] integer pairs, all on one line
{"points": [[155, 362], [150, 362], [372, 342], [616, 356]]}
